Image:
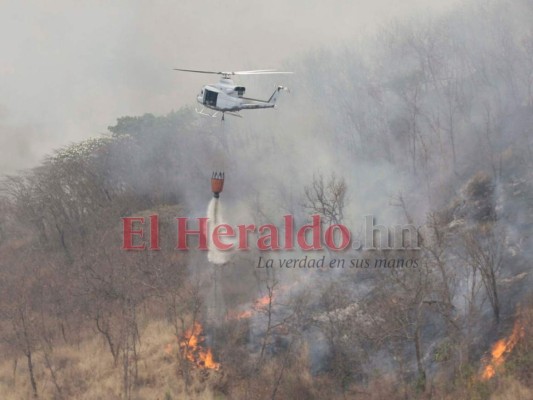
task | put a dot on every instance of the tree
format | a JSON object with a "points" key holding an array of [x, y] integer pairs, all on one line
{"points": [[326, 198]]}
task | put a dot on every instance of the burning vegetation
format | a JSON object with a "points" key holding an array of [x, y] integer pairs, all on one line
{"points": [[410, 122], [192, 347], [500, 350], [260, 303]]}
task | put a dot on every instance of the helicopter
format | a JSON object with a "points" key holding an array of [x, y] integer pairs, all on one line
{"points": [[226, 97]]}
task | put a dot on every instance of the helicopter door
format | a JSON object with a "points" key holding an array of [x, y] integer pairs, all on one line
{"points": [[210, 98]]}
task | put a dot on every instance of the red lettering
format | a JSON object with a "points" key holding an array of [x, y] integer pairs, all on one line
{"points": [[270, 241], [183, 232], [129, 232], [154, 232], [289, 232], [330, 237], [228, 231], [315, 231], [243, 235]]}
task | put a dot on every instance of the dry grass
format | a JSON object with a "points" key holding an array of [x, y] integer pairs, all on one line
{"points": [[511, 389], [87, 372]]}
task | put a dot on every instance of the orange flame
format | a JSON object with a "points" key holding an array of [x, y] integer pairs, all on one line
{"points": [[258, 304], [191, 345], [501, 349], [239, 314], [262, 301]]}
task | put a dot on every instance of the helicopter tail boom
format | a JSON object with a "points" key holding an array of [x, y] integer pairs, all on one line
{"points": [[256, 103]]}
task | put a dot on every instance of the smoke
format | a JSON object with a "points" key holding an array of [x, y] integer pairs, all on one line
{"points": [[394, 115], [22, 141], [71, 70], [407, 113]]}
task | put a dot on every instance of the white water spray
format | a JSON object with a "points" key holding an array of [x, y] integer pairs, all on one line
{"points": [[214, 213]]}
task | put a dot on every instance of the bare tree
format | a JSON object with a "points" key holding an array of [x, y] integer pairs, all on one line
{"points": [[326, 198], [485, 255], [184, 304]]}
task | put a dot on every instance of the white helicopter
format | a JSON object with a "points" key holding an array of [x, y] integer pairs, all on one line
{"points": [[226, 97]]}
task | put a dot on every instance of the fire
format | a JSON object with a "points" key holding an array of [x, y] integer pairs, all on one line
{"points": [[259, 303], [501, 349], [239, 314], [191, 345], [262, 301]]}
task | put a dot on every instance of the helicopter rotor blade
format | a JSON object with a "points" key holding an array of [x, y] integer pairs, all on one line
{"points": [[251, 72], [264, 72], [198, 71]]}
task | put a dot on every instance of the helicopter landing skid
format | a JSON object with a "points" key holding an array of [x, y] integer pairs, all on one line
{"points": [[216, 113], [234, 114], [202, 112]]}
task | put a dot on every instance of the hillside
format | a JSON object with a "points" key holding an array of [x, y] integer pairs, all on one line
{"points": [[426, 124]]}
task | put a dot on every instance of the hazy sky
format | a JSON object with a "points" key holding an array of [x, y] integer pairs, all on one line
{"points": [[69, 69]]}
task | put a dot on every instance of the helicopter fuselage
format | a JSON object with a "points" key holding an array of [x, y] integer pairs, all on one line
{"points": [[225, 96]]}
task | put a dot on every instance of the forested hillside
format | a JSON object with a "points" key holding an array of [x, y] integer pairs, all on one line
{"points": [[428, 122]]}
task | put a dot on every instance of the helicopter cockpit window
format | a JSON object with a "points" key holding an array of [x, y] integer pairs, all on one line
{"points": [[240, 90], [210, 98]]}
